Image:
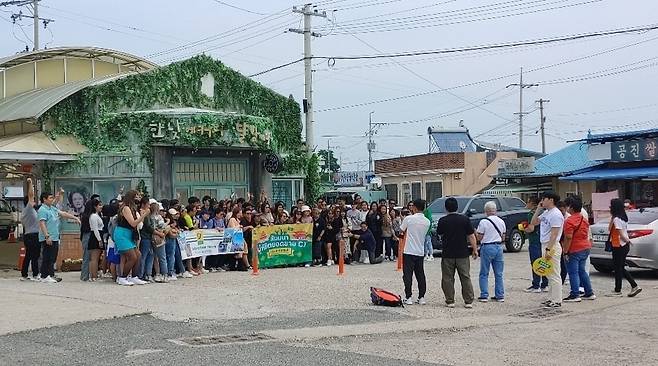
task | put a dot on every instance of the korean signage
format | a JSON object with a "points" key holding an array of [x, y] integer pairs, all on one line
{"points": [[172, 130], [282, 245], [638, 150], [516, 166], [349, 179]]}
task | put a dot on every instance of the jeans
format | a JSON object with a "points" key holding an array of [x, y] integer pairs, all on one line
{"points": [[49, 258], [463, 267], [32, 252], [491, 255], [161, 253], [578, 274], [619, 261], [146, 262], [535, 252], [429, 250], [180, 268], [554, 278], [170, 251], [388, 247], [84, 270], [413, 264]]}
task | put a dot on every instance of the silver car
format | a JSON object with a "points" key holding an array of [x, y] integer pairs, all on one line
{"points": [[643, 232]]}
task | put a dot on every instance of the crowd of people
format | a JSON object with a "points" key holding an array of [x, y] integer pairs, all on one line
{"points": [[134, 240]]}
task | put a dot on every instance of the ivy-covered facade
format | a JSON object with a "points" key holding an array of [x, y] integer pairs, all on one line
{"points": [[196, 126]]}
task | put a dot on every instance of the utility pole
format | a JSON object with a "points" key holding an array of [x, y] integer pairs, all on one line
{"points": [[35, 16], [372, 130], [542, 120], [307, 12], [521, 85]]}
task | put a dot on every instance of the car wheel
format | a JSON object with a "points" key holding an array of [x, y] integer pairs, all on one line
{"points": [[602, 269], [4, 234], [515, 242]]}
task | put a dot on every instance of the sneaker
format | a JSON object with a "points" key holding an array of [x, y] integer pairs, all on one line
{"points": [[544, 289], [187, 274], [634, 291], [136, 281], [123, 281], [48, 280], [307, 265], [450, 305], [408, 301], [204, 271], [159, 279], [546, 302], [572, 298], [614, 294], [533, 290], [329, 263], [553, 305], [58, 279], [431, 258], [468, 306], [26, 278], [495, 299], [421, 301], [172, 278], [483, 299], [590, 297]]}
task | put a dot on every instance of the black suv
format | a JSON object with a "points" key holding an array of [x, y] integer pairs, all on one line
{"points": [[511, 209]]}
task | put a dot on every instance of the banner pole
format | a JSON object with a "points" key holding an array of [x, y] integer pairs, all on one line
{"points": [[341, 257], [401, 244], [254, 259]]}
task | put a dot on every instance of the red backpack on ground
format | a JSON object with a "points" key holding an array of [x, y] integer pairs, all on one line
{"points": [[385, 298]]}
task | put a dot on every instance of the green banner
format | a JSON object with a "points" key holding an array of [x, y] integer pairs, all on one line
{"points": [[283, 245]]}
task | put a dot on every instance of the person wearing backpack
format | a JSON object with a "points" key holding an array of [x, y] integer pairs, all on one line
{"points": [[491, 234]]}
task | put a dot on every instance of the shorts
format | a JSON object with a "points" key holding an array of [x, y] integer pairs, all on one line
{"points": [[113, 257], [123, 239]]}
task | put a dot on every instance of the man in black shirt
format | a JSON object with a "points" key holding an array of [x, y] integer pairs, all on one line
{"points": [[456, 234]]}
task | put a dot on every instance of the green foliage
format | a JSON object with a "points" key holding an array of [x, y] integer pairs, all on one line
{"points": [[142, 188], [312, 182], [295, 162]]}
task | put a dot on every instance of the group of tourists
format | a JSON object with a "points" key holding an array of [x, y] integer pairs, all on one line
{"points": [[557, 230], [134, 240]]}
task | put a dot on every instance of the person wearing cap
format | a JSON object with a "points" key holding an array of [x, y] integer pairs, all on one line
{"points": [[285, 218], [306, 215]]}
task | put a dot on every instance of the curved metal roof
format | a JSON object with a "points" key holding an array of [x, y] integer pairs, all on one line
{"points": [[133, 62], [32, 104]]}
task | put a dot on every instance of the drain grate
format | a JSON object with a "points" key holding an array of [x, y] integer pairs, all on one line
{"points": [[541, 313], [223, 339]]}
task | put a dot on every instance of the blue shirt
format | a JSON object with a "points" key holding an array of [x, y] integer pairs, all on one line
{"points": [[51, 217]]}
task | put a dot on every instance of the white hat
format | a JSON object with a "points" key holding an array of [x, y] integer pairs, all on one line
{"points": [[172, 211], [305, 208]]}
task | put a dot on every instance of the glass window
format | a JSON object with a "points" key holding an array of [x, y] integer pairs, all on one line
{"points": [[391, 191], [433, 190], [406, 193], [282, 191], [478, 204], [514, 203], [645, 217], [438, 206], [415, 191]]}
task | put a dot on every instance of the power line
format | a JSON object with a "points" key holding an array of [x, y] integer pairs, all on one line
{"points": [[277, 67], [238, 8], [624, 109]]}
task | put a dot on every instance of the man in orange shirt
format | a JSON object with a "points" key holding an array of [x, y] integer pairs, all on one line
{"points": [[576, 248]]}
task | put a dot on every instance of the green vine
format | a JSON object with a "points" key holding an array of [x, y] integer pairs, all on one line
{"points": [[312, 182]]}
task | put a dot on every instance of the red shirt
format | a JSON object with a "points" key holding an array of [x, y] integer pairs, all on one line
{"points": [[578, 228]]}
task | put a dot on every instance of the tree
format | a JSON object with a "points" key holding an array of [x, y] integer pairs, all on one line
{"points": [[312, 181], [326, 169]]}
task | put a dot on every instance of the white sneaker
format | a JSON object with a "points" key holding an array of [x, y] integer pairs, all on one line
{"points": [[28, 278], [173, 278], [408, 301], [187, 274], [48, 280], [430, 258], [421, 301], [204, 271], [159, 278], [123, 281], [136, 281], [329, 263], [468, 306]]}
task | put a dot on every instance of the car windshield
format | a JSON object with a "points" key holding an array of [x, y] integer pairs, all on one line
{"points": [[642, 218], [438, 206]]}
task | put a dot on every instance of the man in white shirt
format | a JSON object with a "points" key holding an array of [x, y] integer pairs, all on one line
{"points": [[491, 234], [552, 222], [414, 228]]}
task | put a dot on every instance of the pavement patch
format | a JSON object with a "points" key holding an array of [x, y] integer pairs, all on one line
{"points": [[214, 340], [541, 313]]}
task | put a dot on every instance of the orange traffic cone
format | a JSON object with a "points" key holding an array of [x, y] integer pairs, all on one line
{"points": [[21, 258]]}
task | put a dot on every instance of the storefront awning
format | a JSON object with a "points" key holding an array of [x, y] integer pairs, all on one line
{"points": [[38, 146], [616, 174]]}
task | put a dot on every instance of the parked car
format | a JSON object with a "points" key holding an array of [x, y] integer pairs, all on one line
{"points": [[511, 209], [643, 232], [7, 219]]}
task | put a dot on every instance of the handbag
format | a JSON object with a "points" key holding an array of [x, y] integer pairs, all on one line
{"points": [[608, 242]]}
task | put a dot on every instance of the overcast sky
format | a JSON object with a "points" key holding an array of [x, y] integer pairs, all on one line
{"points": [[603, 84]]}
